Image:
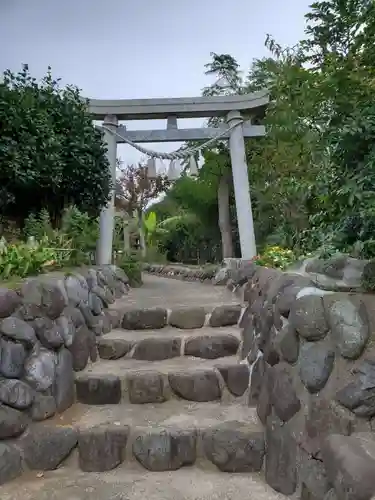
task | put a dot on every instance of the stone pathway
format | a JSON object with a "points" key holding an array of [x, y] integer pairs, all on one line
{"points": [[163, 414]]}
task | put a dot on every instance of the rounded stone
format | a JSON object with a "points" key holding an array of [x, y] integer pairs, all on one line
{"points": [[200, 385], [349, 326], [212, 346], [307, 316], [12, 359], [9, 300], [18, 330], [315, 365], [187, 317], [16, 394]]}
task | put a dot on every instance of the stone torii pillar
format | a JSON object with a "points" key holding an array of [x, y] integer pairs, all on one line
{"points": [[241, 186], [107, 215]]}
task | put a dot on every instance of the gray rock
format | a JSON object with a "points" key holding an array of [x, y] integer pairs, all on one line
{"points": [[81, 347], [234, 447], [102, 448], [114, 348], [187, 317], [115, 317], [105, 294], [143, 319], [359, 395], [200, 385], [10, 463], [75, 315], [248, 339], [9, 301], [95, 303], [212, 347], [287, 343], [43, 407], [146, 387], [66, 328], [349, 326], [156, 349], [12, 422], [40, 368], [120, 274], [91, 277], [100, 390], [307, 316], [236, 377], [257, 379], [64, 382], [44, 447], [315, 365], [16, 394], [77, 289], [350, 465], [264, 399], [226, 315], [283, 396], [165, 449], [45, 296], [312, 476], [281, 457], [48, 333], [100, 325], [19, 330], [12, 359]]}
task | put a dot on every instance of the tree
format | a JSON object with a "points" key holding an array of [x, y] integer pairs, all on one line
{"points": [[51, 154], [135, 190]]}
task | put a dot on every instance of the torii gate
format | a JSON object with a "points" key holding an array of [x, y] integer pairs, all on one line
{"points": [[228, 107]]}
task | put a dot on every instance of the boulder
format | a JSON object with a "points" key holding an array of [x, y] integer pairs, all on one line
{"points": [[162, 449], [156, 349], [12, 359], [308, 317], [144, 319], [287, 344], [234, 447], [102, 448], [283, 396], [16, 394], [114, 348], [146, 387], [44, 447], [48, 332], [64, 382], [236, 377], [40, 368], [43, 407], [12, 422], [199, 385], [9, 301], [18, 330], [10, 463], [350, 465], [44, 296], [187, 317], [212, 346], [77, 289], [84, 341], [315, 365], [100, 390], [226, 315]]}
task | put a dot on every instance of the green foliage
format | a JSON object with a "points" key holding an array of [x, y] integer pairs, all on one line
{"points": [[22, 259], [131, 265], [51, 154], [277, 257]]}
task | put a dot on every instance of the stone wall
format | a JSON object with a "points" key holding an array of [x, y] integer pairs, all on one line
{"points": [[312, 359], [181, 272], [48, 330]]}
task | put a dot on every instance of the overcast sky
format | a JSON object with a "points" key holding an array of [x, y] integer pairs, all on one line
{"points": [[141, 48]]}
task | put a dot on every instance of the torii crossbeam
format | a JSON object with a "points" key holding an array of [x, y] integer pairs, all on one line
{"points": [[234, 108]]}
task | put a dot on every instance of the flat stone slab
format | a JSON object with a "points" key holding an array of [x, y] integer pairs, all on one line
{"points": [[136, 483]]}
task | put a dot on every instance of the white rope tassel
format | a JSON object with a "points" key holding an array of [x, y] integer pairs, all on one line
{"points": [[151, 168], [173, 170], [193, 167]]}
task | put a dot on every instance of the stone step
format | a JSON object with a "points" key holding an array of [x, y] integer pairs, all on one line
{"points": [[168, 437], [133, 318], [136, 483], [169, 342], [139, 382]]}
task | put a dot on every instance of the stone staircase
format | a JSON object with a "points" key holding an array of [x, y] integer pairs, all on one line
{"points": [[164, 413]]}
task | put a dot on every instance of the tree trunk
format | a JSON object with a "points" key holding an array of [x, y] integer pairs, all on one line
{"points": [[126, 231], [224, 217]]}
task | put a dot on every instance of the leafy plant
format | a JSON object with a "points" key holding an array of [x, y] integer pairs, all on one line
{"points": [[132, 267], [276, 257]]}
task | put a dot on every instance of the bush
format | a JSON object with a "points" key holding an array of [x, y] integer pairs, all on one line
{"points": [[132, 267], [29, 259], [277, 257]]}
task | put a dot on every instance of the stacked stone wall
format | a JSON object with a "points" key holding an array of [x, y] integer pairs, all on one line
{"points": [[48, 330], [311, 354]]}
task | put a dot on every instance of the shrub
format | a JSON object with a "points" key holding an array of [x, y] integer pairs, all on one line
{"points": [[132, 267], [276, 257]]}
